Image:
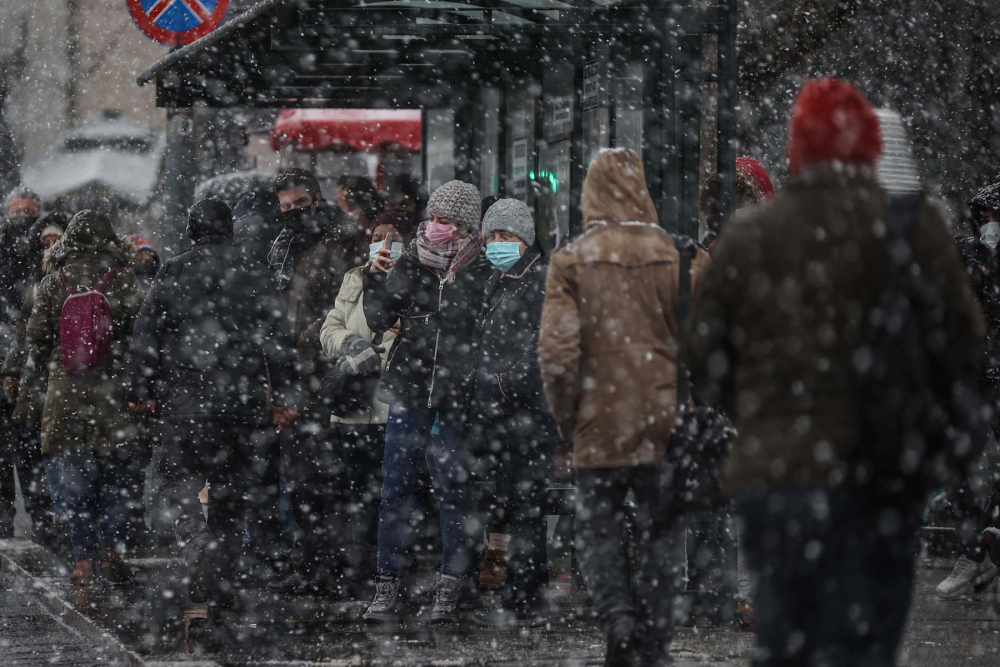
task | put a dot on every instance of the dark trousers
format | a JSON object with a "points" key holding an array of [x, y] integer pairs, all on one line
{"points": [[93, 486], [523, 469], [600, 536], [364, 446], [240, 463], [833, 574], [21, 449], [317, 490]]}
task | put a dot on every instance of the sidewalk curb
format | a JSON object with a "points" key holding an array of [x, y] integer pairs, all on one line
{"points": [[64, 612]]}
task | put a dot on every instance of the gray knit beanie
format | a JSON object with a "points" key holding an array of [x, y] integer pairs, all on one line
{"points": [[513, 216], [457, 201]]}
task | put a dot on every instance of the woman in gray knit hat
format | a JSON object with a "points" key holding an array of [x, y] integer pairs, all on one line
{"points": [[435, 291]]}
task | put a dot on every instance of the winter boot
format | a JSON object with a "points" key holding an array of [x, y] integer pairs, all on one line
{"points": [[114, 569], [385, 607], [493, 572], [623, 643], [447, 594], [84, 576], [967, 576]]}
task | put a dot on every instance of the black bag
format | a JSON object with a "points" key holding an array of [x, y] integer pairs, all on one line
{"points": [[923, 417], [348, 395], [702, 435]]}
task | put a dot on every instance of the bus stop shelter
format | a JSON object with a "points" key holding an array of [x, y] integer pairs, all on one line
{"points": [[517, 96]]}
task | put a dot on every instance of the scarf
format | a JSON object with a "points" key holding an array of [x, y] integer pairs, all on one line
{"points": [[290, 242], [449, 258]]}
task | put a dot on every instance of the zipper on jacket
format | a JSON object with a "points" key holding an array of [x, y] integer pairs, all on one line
{"points": [[437, 339]]}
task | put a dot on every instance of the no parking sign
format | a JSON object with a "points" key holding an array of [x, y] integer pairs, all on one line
{"points": [[177, 22]]}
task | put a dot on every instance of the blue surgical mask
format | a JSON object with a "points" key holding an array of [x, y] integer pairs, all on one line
{"points": [[503, 254], [395, 252], [989, 235]]}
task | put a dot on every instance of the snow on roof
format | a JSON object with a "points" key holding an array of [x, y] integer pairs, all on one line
{"points": [[133, 176]]}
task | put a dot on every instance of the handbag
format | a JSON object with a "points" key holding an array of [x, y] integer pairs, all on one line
{"points": [[348, 395], [702, 435]]}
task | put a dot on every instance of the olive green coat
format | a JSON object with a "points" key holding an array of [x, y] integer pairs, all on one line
{"points": [[87, 411], [780, 315]]}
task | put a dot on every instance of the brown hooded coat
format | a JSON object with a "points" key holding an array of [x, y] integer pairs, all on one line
{"points": [[608, 346]]}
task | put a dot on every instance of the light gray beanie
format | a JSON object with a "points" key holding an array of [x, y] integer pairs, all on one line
{"points": [[510, 215], [459, 202]]}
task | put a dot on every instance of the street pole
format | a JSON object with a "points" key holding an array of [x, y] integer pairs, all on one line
{"points": [[179, 175]]}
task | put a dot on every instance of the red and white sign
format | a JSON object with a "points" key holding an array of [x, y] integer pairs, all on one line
{"points": [[177, 22]]}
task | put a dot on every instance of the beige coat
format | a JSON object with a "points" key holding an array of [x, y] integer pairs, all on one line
{"points": [[608, 342], [348, 319]]}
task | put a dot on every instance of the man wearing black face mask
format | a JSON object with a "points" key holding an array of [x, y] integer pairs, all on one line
{"points": [[20, 257], [317, 246]]}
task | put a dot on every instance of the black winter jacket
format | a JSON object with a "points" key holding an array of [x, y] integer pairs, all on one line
{"points": [[20, 269], [508, 395], [204, 332], [435, 353], [983, 268]]}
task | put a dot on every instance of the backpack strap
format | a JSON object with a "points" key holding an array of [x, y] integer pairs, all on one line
{"points": [[685, 249], [105, 279], [65, 282]]}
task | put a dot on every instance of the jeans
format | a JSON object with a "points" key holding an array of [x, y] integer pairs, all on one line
{"points": [[364, 446], [240, 462], [93, 486], [406, 441], [524, 468], [600, 518], [833, 574]]}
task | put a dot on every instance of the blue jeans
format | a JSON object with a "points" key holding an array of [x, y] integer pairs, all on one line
{"points": [[55, 474], [94, 489], [406, 440]]}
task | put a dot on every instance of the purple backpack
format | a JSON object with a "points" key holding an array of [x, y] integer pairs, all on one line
{"points": [[86, 327]]}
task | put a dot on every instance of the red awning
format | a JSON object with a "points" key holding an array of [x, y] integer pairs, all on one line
{"points": [[361, 129]]}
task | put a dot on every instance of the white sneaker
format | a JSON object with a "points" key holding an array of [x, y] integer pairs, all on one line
{"points": [[966, 576]]}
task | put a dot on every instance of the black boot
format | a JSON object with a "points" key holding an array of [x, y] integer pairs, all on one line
{"points": [[623, 643]]}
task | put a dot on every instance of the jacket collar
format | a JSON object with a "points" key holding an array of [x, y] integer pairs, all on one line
{"points": [[523, 265]]}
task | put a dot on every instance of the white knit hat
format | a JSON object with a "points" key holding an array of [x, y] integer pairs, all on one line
{"points": [[458, 202], [513, 216], [897, 170], [52, 230]]}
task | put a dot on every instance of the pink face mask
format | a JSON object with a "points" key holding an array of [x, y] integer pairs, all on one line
{"points": [[438, 234]]}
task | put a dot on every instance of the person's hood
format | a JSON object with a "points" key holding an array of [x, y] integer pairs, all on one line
{"points": [[615, 189], [987, 199], [89, 234], [754, 170], [256, 211], [200, 230]]}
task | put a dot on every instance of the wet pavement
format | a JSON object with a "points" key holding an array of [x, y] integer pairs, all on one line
{"points": [[303, 632]]}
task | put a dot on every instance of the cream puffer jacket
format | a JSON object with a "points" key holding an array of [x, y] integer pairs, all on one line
{"points": [[348, 319]]}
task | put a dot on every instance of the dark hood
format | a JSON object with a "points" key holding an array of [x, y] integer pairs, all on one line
{"points": [[203, 229], [987, 199], [257, 223], [89, 234]]}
